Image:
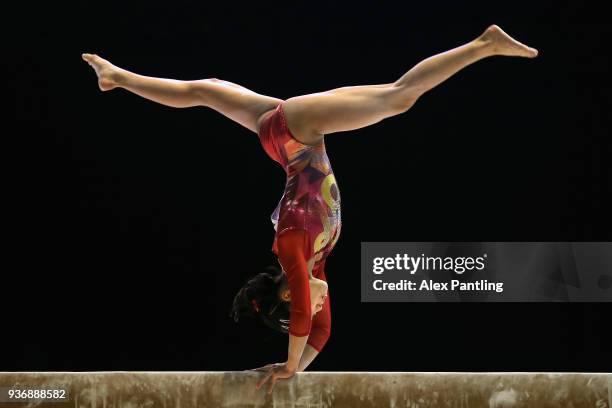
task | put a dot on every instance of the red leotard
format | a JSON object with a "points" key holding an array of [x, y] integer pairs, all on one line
{"points": [[291, 249], [307, 220]]}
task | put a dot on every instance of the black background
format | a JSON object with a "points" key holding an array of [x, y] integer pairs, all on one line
{"points": [[135, 223]]}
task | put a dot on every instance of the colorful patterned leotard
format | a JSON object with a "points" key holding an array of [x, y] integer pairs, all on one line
{"points": [[310, 209], [311, 200]]}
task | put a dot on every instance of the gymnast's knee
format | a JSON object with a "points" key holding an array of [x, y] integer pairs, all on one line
{"points": [[401, 99]]}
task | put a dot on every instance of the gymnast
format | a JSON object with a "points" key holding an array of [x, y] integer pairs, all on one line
{"points": [[295, 299]]}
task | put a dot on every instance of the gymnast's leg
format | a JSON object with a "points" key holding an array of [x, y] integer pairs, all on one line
{"points": [[310, 117], [231, 100]]}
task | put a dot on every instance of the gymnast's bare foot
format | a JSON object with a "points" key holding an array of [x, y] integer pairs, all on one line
{"points": [[502, 44], [108, 74]]}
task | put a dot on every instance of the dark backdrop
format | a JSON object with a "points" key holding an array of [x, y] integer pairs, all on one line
{"points": [[135, 223]]}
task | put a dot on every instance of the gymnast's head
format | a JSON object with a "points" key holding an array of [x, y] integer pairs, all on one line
{"points": [[267, 296]]}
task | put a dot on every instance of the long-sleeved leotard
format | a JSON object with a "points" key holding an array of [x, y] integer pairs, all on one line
{"points": [[291, 254], [311, 204]]}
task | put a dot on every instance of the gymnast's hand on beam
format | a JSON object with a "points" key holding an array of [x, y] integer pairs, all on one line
{"points": [[274, 372]]}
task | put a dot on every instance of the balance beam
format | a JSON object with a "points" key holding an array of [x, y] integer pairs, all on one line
{"points": [[312, 390]]}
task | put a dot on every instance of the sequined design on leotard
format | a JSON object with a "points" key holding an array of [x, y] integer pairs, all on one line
{"points": [[311, 200]]}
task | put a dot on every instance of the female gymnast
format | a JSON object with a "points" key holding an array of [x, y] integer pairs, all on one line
{"points": [[307, 219]]}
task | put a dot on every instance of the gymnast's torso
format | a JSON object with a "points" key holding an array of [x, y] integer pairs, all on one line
{"points": [[311, 200]]}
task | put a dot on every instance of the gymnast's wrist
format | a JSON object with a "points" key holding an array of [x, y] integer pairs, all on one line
{"points": [[292, 364]]}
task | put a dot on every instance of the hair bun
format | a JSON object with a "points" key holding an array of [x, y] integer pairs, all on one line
{"points": [[242, 306], [259, 298]]}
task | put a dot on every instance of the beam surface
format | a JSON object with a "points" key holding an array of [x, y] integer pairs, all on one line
{"points": [[312, 390]]}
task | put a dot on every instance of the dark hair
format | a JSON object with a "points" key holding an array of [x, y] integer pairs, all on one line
{"points": [[259, 297]]}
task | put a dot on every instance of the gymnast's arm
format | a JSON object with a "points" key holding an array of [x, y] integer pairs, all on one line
{"points": [[320, 329], [291, 246], [315, 343]]}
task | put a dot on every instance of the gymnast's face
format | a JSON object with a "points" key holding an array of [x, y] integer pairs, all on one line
{"points": [[318, 294]]}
